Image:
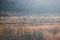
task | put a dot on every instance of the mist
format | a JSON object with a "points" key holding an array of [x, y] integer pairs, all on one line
{"points": [[31, 7]]}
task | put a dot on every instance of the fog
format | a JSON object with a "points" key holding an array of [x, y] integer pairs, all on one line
{"points": [[31, 7]]}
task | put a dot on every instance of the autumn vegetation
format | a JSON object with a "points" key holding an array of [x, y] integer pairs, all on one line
{"points": [[30, 28]]}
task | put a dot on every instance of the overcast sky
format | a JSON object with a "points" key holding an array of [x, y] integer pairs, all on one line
{"points": [[25, 7]]}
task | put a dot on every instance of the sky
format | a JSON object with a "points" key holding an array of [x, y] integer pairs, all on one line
{"points": [[31, 7]]}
